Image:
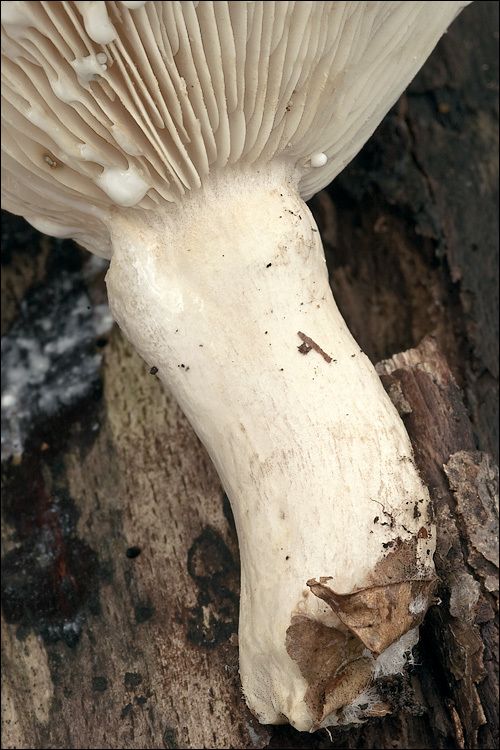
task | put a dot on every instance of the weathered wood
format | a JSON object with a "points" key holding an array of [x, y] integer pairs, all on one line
{"points": [[120, 561], [463, 484], [144, 650], [110, 650]]}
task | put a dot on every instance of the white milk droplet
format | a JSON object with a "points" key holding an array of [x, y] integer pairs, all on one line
{"points": [[96, 21], [318, 160], [124, 186]]}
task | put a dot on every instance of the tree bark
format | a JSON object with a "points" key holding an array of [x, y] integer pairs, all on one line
{"points": [[120, 561]]}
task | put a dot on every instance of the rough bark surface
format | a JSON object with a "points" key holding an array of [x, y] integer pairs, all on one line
{"points": [[463, 484], [120, 560]]}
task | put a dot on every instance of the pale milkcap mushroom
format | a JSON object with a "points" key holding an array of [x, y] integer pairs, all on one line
{"points": [[180, 139]]}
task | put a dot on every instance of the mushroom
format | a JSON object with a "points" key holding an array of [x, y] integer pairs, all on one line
{"points": [[180, 140]]}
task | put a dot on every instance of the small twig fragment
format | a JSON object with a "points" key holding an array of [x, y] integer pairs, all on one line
{"points": [[310, 344]]}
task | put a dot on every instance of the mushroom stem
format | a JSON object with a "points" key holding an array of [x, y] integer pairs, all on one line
{"points": [[332, 517]]}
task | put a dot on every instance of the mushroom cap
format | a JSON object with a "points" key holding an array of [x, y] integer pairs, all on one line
{"points": [[130, 105]]}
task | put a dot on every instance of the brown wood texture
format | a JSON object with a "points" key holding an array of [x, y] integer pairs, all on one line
{"points": [[120, 561], [462, 631]]}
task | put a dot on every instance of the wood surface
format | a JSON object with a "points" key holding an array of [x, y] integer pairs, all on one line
{"points": [[120, 575]]}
